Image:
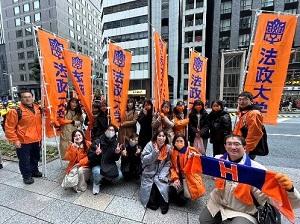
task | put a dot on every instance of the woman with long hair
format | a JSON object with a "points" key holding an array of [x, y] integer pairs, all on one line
{"points": [[162, 120], [155, 176], [145, 120], [219, 126], [128, 126], [77, 155], [180, 118], [198, 124], [72, 121]]}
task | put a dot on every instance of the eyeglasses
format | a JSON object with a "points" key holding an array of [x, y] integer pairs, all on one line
{"points": [[233, 143]]}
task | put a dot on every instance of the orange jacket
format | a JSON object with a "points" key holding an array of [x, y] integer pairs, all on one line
{"points": [[180, 125], [75, 155], [194, 180], [253, 120], [26, 130]]}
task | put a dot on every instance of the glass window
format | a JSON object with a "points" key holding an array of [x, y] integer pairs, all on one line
{"points": [[84, 22], [199, 19], [83, 12], [266, 3], [70, 1], [83, 2], [21, 56], [15, 1], [188, 37], [186, 52], [90, 17], [79, 38], [28, 31], [19, 33], [224, 42], [226, 7], [30, 65], [292, 11], [29, 43], [37, 17], [189, 20], [90, 26], [289, 1], [186, 68], [91, 36], [70, 11], [30, 54], [225, 25], [199, 3], [22, 67], [17, 10], [246, 4], [18, 22], [89, 7], [198, 35], [84, 32], [189, 4], [26, 7], [78, 17], [71, 23], [22, 77], [72, 34], [78, 27], [245, 22], [77, 6], [27, 19], [244, 40], [94, 22], [36, 4]]}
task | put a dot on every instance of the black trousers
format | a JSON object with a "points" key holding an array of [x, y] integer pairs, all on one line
{"points": [[177, 197], [29, 155], [156, 200], [218, 148]]}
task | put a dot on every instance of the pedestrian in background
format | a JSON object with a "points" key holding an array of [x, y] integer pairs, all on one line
{"points": [[145, 120], [24, 130]]}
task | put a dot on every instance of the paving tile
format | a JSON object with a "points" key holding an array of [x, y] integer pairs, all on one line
{"points": [[127, 221], [5, 175], [6, 213], [97, 202], [126, 208], [56, 175], [68, 195], [31, 204], [60, 212], [173, 216], [9, 195], [122, 189], [11, 166], [89, 216], [193, 218], [191, 206], [40, 185], [24, 219]]}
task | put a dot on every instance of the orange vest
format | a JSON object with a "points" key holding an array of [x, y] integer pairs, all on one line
{"points": [[26, 130], [75, 156]]}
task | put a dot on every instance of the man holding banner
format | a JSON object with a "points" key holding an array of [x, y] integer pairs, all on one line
{"points": [[235, 202]]}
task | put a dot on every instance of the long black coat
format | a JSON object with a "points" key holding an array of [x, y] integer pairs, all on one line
{"points": [[100, 125], [204, 125], [107, 159], [219, 126], [145, 134]]}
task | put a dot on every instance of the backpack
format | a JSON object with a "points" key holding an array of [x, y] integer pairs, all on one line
{"points": [[19, 112], [261, 148]]}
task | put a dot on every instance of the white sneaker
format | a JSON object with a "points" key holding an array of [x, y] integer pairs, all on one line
{"points": [[96, 188]]}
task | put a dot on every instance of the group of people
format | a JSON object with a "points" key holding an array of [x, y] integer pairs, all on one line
{"points": [[157, 156]]}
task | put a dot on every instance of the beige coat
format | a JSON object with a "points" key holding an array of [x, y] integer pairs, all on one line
{"points": [[230, 207], [66, 131], [128, 126]]}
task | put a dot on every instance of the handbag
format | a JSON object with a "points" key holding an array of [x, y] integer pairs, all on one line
{"points": [[71, 179], [267, 213]]}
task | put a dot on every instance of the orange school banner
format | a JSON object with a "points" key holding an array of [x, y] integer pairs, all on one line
{"points": [[119, 64], [80, 72], [55, 77], [197, 78], [161, 87], [269, 62]]}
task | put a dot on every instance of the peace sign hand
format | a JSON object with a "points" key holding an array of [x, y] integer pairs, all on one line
{"points": [[118, 149]]}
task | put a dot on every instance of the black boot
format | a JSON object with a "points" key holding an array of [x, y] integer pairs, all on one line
{"points": [[28, 180]]}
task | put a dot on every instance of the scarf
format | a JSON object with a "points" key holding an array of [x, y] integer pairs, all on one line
{"points": [[163, 152]]}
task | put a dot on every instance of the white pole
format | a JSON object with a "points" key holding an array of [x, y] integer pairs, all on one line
{"points": [[222, 77], [11, 87]]}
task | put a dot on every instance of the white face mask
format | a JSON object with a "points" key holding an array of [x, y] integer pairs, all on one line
{"points": [[110, 134], [132, 143]]}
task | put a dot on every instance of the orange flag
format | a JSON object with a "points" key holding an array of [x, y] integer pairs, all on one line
{"points": [[55, 77], [119, 64], [197, 78], [161, 86], [80, 72], [269, 62]]}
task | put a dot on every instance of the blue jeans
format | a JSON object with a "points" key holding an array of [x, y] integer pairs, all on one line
{"points": [[97, 176]]}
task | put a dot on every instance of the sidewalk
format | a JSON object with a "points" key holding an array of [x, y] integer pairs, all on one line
{"points": [[46, 202]]}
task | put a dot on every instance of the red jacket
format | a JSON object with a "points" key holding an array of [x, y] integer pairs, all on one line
{"points": [[26, 130]]}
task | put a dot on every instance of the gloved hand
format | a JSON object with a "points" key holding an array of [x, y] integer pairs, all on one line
{"points": [[284, 181]]}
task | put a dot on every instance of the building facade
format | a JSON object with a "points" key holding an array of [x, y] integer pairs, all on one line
{"points": [[79, 21], [230, 32]]}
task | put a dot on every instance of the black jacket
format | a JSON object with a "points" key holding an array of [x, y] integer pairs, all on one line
{"points": [[204, 125], [145, 134], [107, 159], [219, 126], [100, 125]]}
